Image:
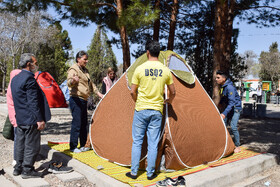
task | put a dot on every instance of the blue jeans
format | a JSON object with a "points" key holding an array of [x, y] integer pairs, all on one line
{"points": [[233, 117], [79, 122], [145, 121]]}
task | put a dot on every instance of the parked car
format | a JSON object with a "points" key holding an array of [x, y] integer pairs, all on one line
{"points": [[252, 93]]}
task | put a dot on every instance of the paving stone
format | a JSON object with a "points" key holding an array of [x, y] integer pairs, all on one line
{"points": [[72, 176], [33, 182], [5, 182]]}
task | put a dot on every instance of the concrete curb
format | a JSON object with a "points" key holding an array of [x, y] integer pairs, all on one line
{"points": [[231, 173], [220, 176], [33, 182], [92, 175], [6, 182]]}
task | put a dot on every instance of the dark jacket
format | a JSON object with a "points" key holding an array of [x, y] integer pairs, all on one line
{"points": [[30, 103], [230, 97]]}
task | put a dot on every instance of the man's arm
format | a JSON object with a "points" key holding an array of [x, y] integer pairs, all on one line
{"points": [[95, 90], [172, 93], [231, 101], [33, 101], [72, 78], [133, 92]]}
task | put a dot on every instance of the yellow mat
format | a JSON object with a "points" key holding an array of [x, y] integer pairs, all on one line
{"points": [[118, 172]]}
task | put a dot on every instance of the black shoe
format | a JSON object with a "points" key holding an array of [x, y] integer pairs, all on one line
{"points": [[57, 168], [128, 174], [31, 174], [17, 172], [152, 177], [181, 181], [167, 182]]}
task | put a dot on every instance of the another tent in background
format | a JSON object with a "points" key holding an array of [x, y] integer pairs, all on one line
{"points": [[65, 90], [193, 132], [51, 89]]}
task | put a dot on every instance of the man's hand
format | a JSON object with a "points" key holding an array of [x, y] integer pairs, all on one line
{"points": [[41, 125], [172, 93], [133, 92], [167, 101], [75, 79], [223, 116], [100, 95]]}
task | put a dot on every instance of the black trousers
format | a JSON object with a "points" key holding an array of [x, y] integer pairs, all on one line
{"points": [[79, 126], [259, 99], [27, 146]]}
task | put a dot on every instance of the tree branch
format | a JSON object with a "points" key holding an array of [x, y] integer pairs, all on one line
{"points": [[257, 7], [93, 4], [105, 4]]}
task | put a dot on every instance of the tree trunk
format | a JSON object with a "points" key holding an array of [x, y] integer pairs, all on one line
{"points": [[125, 48], [157, 22], [14, 61], [4, 84], [173, 20], [224, 16], [124, 39]]}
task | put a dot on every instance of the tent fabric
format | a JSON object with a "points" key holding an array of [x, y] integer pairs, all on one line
{"points": [[192, 134], [65, 90], [51, 89]]}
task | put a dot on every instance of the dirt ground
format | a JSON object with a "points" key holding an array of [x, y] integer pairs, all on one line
{"points": [[57, 130], [261, 135]]}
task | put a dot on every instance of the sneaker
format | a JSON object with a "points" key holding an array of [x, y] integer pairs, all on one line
{"points": [[167, 182], [128, 174], [84, 149], [31, 174], [181, 181], [76, 150], [14, 163], [152, 177], [17, 172], [57, 168]]}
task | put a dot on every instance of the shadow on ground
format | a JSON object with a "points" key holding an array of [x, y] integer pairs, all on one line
{"points": [[260, 135]]}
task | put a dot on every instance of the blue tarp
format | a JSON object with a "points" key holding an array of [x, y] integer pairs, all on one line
{"points": [[65, 91]]}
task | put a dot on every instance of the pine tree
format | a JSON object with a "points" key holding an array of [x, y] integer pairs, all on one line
{"points": [[101, 57], [53, 55]]}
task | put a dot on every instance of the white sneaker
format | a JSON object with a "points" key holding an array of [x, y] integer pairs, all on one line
{"points": [[83, 149], [14, 163], [76, 150]]}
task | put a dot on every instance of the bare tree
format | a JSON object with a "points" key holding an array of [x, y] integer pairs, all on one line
{"points": [[19, 34], [251, 62]]}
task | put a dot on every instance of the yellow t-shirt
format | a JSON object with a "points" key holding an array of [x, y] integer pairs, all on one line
{"points": [[151, 78]]}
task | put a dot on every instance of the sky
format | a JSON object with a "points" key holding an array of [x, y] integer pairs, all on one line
{"points": [[250, 38]]}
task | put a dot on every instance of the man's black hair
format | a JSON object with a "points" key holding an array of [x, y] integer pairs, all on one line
{"points": [[219, 72], [153, 47]]}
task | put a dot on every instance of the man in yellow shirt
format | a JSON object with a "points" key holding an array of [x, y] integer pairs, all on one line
{"points": [[149, 80]]}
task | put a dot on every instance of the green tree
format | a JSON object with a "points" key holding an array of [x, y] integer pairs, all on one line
{"points": [[270, 64], [119, 16], [259, 12], [196, 40], [101, 57], [53, 55]]}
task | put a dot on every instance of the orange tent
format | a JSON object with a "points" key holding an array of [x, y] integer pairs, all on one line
{"points": [[193, 132]]}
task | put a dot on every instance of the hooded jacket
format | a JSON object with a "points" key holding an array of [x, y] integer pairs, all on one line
{"points": [[230, 97], [10, 102]]}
